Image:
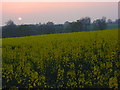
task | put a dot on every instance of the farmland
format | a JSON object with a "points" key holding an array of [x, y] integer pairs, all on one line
{"points": [[68, 60]]}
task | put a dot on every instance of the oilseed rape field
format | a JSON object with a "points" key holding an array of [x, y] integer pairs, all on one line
{"points": [[68, 60]]}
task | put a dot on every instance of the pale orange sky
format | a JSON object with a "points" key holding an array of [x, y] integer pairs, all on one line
{"points": [[58, 12], [61, 0]]}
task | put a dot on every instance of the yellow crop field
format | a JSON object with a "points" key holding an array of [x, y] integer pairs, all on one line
{"points": [[68, 60]]}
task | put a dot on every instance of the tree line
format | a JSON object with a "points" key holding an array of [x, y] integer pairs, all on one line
{"points": [[83, 24]]}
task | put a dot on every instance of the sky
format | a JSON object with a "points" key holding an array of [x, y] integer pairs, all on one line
{"points": [[60, 0], [57, 12]]}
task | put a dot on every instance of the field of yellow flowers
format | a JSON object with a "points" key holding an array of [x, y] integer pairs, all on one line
{"points": [[68, 60]]}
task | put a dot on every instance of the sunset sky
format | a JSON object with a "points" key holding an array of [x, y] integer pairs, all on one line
{"points": [[57, 12], [61, 0]]}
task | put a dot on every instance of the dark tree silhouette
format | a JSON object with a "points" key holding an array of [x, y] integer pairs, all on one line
{"points": [[100, 24]]}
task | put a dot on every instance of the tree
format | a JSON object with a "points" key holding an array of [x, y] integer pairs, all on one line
{"points": [[50, 23], [100, 24], [47, 28], [50, 27], [81, 25], [9, 30], [109, 21], [66, 27], [76, 26], [24, 30], [10, 23], [86, 23], [66, 24]]}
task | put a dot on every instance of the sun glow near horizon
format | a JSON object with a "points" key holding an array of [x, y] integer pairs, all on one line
{"points": [[19, 18]]}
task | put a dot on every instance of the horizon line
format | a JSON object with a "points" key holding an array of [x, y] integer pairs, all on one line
{"points": [[54, 22]]}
